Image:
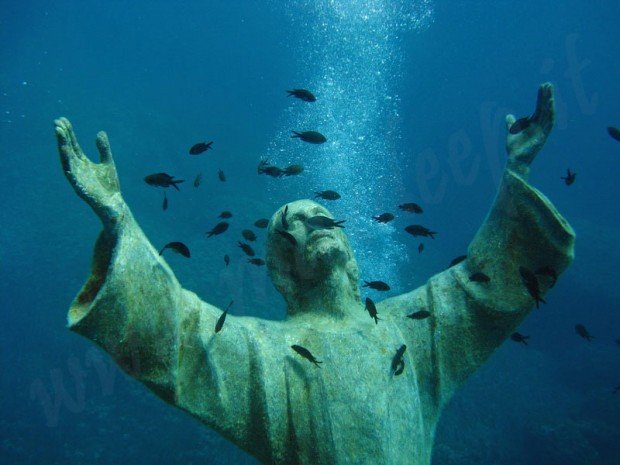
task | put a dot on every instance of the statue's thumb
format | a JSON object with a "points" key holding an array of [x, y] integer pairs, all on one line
{"points": [[103, 145]]}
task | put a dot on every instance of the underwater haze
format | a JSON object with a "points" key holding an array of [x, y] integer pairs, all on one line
{"points": [[411, 96]]}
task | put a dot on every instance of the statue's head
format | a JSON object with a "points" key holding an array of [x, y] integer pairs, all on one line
{"points": [[321, 260]]}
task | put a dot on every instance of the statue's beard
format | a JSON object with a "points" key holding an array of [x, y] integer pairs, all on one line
{"points": [[322, 256]]}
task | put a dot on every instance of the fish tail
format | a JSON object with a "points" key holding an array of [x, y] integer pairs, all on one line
{"points": [[339, 223], [174, 183], [296, 134], [162, 250]]}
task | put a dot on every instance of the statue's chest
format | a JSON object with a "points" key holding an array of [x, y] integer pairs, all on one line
{"points": [[354, 403]]}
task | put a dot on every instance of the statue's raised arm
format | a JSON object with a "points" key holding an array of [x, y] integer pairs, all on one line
{"points": [[522, 247], [135, 309]]}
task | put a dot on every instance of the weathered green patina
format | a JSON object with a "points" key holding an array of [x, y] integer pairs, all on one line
{"points": [[246, 382]]}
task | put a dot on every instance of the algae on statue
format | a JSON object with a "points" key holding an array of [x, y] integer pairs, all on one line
{"points": [[249, 385]]}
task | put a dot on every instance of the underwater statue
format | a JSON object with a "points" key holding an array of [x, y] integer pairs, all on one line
{"points": [[369, 401]]}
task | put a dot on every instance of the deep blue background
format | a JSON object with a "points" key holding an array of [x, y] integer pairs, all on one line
{"points": [[159, 76]]}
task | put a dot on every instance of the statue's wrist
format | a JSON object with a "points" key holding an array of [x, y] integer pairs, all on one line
{"points": [[116, 215]]}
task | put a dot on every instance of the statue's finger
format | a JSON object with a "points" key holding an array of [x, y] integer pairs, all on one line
{"points": [[510, 120], [103, 145], [65, 150], [544, 102], [72, 138], [548, 118], [67, 156]]}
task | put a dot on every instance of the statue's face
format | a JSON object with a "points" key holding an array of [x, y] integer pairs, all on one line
{"points": [[317, 251]]}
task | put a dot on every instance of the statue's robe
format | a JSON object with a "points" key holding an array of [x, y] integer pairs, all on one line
{"points": [[248, 384]]}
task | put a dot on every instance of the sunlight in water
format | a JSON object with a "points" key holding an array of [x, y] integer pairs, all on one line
{"points": [[351, 57]]}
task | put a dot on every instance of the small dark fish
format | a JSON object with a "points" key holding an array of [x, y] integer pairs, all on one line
{"points": [[419, 230], [398, 363], [323, 222], [225, 214], [419, 315], [248, 235], [165, 204], [613, 132], [520, 125], [305, 353], [479, 277], [283, 218], [227, 259], [618, 342], [261, 165], [222, 319], [548, 271], [518, 337], [198, 180], [312, 137], [256, 261], [302, 94], [383, 218], [273, 171], [583, 332], [288, 236], [293, 170], [420, 248], [262, 223], [327, 195], [400, 369], [569, 178], [372, 309], [457, 260], [377, 285], [162, 180], [531, 283], [411, 207], [247, 249], [219, 229], [200, 147], [177, 247], [617, 389], [221, 176], [265, 168]]}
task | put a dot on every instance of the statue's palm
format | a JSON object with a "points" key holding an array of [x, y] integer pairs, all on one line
{"points": [[523, 146], [96, 183]]}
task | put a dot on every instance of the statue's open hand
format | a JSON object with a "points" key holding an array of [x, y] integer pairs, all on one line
{"points": [[523, 146], [96, 183]]}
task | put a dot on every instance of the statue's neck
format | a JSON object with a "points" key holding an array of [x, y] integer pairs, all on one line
{"points": [[335, 296]]}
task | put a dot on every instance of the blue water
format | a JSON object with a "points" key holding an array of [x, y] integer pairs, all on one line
{"points": [[411, 95]]}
